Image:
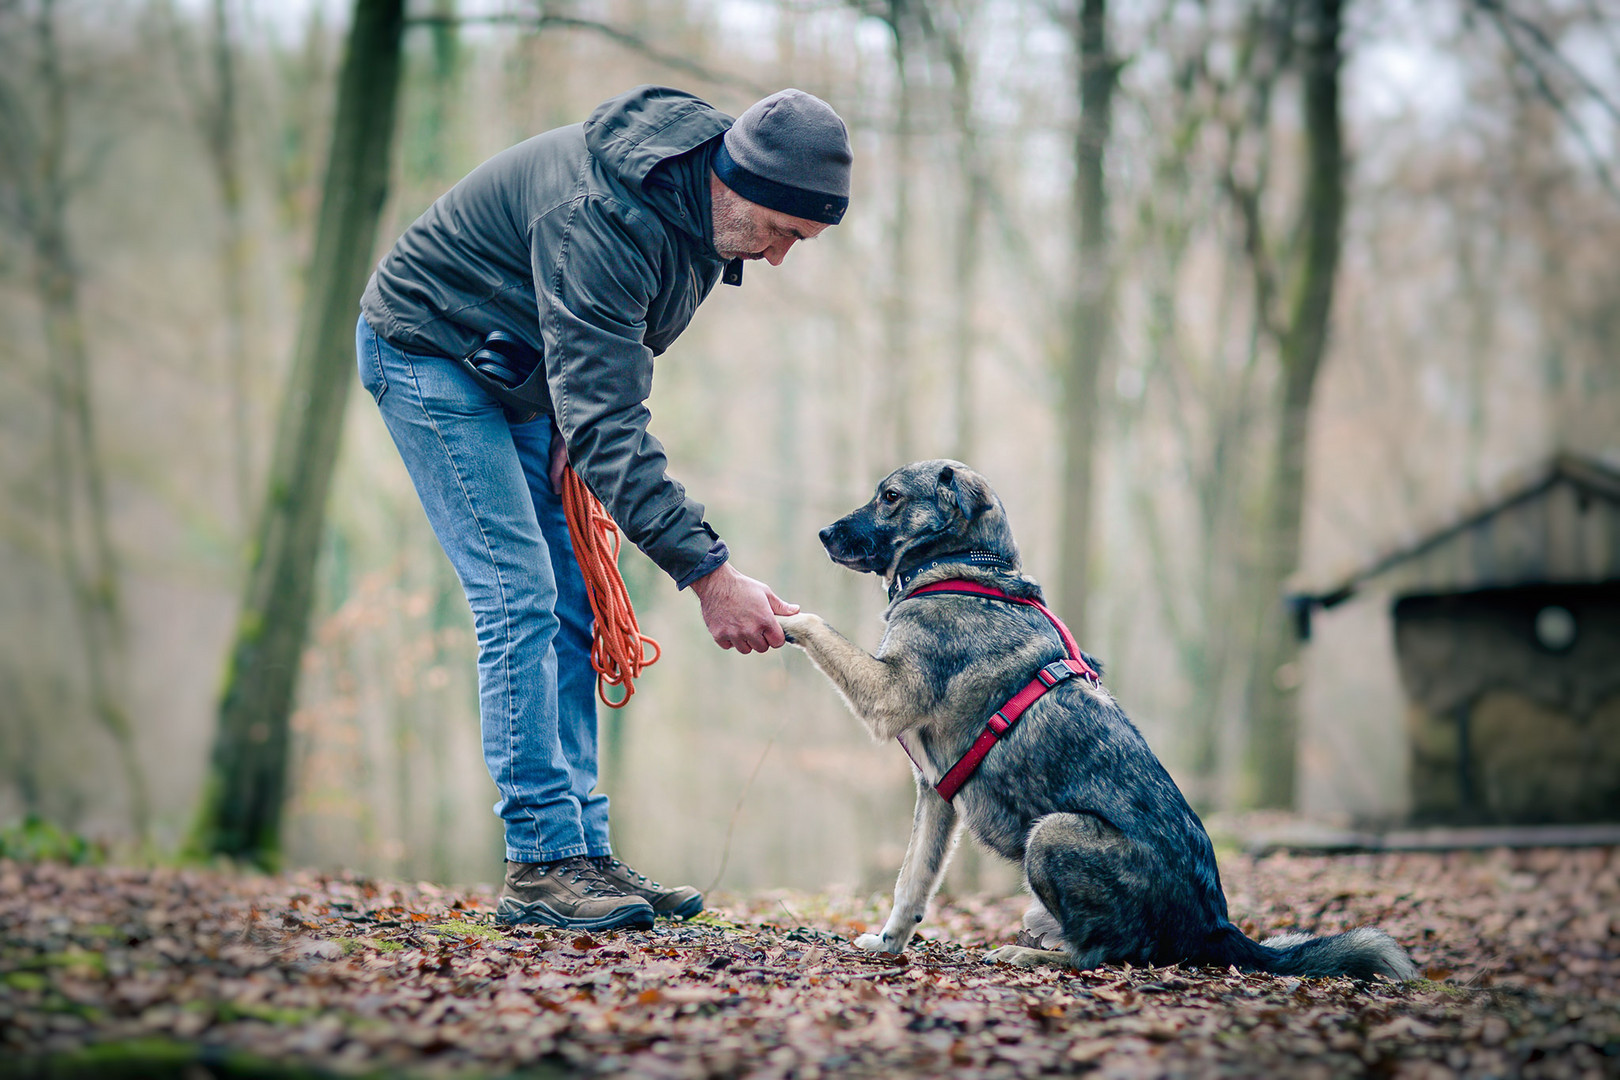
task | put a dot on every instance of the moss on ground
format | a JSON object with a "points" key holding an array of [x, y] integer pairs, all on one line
{"points": [[171, 1059], [466, 928]]}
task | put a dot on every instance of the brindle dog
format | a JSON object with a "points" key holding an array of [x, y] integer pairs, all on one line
{"points": [[1120, 866]]}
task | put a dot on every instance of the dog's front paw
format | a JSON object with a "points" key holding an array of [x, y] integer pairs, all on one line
{"points": [[1019, 956], [878, 943], [798, 627]]}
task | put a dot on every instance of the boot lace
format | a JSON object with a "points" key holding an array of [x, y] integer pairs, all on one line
{"points": [[578, 870], [607, 864], [582, 872]]}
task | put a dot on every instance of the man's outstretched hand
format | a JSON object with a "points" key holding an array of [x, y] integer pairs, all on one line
{"points": [[741, 612]]}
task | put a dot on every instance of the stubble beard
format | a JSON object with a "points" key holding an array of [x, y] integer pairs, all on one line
{"points": [[736, 235]]}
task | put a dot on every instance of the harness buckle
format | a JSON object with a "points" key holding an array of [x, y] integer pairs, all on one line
{"points": [[1057, 671], [998, 723]]}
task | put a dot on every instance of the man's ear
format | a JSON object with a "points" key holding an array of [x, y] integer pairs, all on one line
{"points": [[961, 491]]}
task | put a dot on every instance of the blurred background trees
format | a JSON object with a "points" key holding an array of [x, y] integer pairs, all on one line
{"points": [[1215, 293], [246, 788]]}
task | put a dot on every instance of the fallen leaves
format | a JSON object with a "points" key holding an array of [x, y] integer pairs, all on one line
{"points": [[350, 974]]}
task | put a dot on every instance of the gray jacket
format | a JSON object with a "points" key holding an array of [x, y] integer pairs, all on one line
{"points": [[594, 244]]}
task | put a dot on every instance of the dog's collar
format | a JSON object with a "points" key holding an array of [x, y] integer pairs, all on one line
{"points": [[972, 558]]}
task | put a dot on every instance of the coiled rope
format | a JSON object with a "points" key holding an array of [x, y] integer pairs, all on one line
{"points": [[619, 650]]}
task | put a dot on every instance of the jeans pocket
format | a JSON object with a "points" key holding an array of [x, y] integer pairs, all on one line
{"points": [[371, 367]]}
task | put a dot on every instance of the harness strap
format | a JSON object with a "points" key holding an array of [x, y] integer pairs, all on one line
{"points": [[1002, 720], [973, 588]]}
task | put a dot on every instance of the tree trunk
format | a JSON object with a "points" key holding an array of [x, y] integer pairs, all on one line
{"points": [[1091, 325], [896, 365], [241, 811], [969, 243], [1274, 684], [225, 156]]}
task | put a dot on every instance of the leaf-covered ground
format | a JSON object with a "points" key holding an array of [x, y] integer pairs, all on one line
{"points": [[107, 972]]}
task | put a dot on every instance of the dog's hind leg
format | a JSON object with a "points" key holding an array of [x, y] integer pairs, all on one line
{"points": [[933, 834], [1091, 879], [1040, 942], [1041, 928]]}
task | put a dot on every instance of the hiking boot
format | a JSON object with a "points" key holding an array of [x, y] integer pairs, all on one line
{"points": [[678, 902], [569, 893]]}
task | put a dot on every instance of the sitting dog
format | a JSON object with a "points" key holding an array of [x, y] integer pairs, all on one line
{"points": [[1012, 735]]}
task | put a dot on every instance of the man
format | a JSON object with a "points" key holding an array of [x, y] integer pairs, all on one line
{"points": [[511, 330]]}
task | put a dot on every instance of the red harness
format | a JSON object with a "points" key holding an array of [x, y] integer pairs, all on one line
{"points": [[1002, 720]]}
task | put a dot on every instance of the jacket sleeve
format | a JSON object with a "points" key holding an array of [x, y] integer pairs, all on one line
{"points": [[596, 266]]}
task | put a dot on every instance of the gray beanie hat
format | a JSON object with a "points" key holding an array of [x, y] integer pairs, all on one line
{"points": [[789, 152]]}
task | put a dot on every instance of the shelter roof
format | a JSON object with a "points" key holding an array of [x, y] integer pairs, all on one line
{"points": [[1537, 527]]}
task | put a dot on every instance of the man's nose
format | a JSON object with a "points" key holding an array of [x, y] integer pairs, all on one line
{"points": [[778, 251]]}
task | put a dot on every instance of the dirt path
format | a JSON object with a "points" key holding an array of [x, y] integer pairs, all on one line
{"points": [[109, 972]]}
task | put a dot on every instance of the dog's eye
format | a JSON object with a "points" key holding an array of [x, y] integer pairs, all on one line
{"points": [[891, 496]]}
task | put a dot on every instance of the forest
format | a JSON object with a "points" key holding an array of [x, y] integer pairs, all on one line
{"points": [[1226, 298]]}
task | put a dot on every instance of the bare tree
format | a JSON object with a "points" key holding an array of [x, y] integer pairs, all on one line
{"points": [[220, 126], [1301, 333], [1239, 396], [213, 102], [1091, 324], [241, 810], [39, 181], [897, 315], [1206, 383], [947, 25], [225, 154]]}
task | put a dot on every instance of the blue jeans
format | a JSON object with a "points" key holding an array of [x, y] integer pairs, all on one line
{"points": [[482, 481]]}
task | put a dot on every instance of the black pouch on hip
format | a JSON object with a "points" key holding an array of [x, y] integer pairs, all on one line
{"points": [[504, 365]]}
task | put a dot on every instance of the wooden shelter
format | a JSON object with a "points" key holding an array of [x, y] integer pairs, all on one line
{"points": [[1506, 632]]}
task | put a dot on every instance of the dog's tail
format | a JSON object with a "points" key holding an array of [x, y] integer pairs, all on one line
{"points": [[1360, 953]]}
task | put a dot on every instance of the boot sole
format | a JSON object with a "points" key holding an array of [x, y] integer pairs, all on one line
{"points": [[511, 913], [686, 910]]}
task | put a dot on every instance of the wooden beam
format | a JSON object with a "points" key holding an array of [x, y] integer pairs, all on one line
{"points": [[1334, 841]]}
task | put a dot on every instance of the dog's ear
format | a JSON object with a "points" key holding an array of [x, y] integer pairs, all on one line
{"points": [[961, 491]]}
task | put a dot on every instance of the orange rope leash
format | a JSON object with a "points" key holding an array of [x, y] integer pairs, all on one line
{"points": [[618, 647]]}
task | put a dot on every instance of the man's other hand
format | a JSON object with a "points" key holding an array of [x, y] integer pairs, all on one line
{"points": [[558, 461], [741, 612]]}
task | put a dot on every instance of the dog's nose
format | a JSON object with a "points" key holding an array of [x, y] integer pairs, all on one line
{"points": [[825, 535]]}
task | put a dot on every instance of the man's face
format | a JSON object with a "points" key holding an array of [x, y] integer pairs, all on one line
{"points": [[746, 230]]}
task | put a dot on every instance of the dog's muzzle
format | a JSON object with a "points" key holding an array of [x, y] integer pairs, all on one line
{"points": [[849, 546]]}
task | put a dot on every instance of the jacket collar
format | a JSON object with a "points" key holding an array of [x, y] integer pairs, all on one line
{"points": [[660, 142]]}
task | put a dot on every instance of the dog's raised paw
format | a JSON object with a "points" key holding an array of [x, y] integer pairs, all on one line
{"points": [[1019, 956], [794, 627], [873, 943]]}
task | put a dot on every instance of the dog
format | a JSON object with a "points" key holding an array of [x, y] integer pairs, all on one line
{"points": [[1120, 866]]}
